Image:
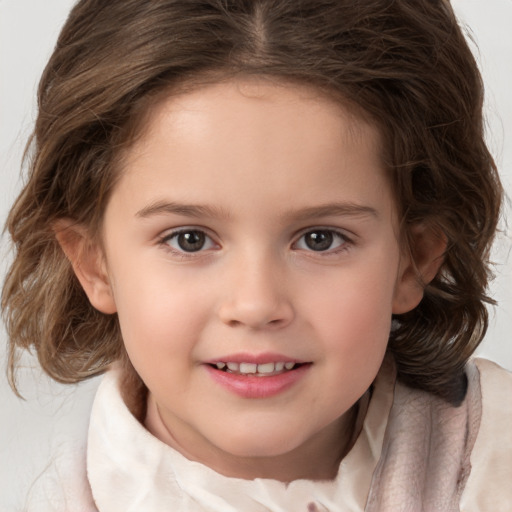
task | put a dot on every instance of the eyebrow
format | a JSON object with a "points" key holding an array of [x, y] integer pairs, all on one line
{"points": [[333, 210], [303, 214], [186, 210]]}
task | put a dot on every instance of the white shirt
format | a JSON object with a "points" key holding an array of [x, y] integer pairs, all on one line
{"points": [[414, 453]]}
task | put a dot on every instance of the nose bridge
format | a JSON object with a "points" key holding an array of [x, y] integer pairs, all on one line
{"points": [[256, 292]]}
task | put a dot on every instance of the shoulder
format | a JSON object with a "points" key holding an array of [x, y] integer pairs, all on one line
{"points": [[438, 456], [495, 385], [489, 483], [63, 486]]}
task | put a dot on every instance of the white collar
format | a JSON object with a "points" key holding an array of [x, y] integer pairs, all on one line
{"points": [[131, 470]]}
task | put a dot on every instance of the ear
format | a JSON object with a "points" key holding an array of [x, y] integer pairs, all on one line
{"points": [[418, 267], [88, 262]]}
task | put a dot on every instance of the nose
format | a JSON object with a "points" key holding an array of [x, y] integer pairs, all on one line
{"points": [[255, 296]]}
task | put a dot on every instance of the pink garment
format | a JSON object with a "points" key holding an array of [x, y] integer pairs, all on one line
{"points": [[425, 460]]}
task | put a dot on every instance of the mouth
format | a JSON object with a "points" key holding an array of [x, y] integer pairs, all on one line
{"points": [[268, 369], [257, 376]]}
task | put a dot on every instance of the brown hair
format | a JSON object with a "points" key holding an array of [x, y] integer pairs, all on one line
{"points": [[405, 63]]}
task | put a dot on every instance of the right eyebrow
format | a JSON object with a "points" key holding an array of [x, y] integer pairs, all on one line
{"points": [[334, 210], [186, 210]]}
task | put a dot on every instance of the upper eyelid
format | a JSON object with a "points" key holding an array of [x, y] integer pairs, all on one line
{"points": [[171, 232], [339, 231]]}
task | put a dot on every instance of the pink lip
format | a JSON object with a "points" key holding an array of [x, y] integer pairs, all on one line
{"points": [[267, 357], [249, 386]]}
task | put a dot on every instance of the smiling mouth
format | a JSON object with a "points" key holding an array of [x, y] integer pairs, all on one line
{"points": [[256, 370]]}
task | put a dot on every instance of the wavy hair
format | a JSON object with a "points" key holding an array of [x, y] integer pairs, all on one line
{"points": [[403, 63]]}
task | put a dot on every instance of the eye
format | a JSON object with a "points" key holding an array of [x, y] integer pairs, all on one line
{"points": [[321, 240], [189, 240]]}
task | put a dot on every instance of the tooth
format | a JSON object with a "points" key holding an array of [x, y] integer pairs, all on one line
{"points": [[279, 367], [234, 367], [266, 368], [289, 366], [220, 366], [248, 368]]}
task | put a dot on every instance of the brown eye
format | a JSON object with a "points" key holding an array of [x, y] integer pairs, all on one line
{"points": [[318, 240], [321, 240], [190, 240]]}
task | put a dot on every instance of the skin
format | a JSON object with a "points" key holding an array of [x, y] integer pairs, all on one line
{"points": [[268, 165]]}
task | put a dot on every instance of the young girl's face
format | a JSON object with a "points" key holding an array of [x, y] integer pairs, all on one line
{"points": [[254, 230]]}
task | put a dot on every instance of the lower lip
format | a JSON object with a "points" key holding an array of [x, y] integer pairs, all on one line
{"points": [[258, 387]]}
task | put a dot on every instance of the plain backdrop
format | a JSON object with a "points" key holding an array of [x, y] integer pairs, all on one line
{"points": [[32, 431]]}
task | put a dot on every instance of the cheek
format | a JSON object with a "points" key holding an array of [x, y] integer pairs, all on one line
{"points": [[157, 310], [355, 333], [354, 299], [353, 312]]}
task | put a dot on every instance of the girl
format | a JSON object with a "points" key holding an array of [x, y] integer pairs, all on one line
{"points": [[269, 223]]}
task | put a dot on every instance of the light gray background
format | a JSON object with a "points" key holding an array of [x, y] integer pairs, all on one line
{"points": [[32, 431]]}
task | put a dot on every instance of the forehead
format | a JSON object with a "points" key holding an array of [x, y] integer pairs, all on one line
{"points": [[229, 142], [203, 108]]}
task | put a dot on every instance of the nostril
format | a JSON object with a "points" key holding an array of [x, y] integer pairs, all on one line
{"points": [[255, 312]]}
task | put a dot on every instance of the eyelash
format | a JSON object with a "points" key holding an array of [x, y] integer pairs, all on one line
{"points": [[181, 253], [345, 241]]}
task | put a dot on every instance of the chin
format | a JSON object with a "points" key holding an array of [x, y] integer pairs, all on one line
{"points": [[259, 444]]}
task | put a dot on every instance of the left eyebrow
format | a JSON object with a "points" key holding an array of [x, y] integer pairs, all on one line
{"points": [[186, 210], [333, 210]]}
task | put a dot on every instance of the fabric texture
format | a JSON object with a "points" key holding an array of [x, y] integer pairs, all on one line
{"points": [[414, 453]]}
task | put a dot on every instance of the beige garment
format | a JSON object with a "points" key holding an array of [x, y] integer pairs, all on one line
{"points": [[425, 460], [489, 486], [415, 453]]}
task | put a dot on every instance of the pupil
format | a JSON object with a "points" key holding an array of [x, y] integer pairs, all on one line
{"points": [[319, 240], [191, 241]]}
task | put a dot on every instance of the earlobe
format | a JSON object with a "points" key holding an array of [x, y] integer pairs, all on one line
{"points": [[88, 262], [419, 267]]}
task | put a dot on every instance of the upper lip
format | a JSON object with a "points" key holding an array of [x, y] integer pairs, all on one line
{"points": [[255, 358]]}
